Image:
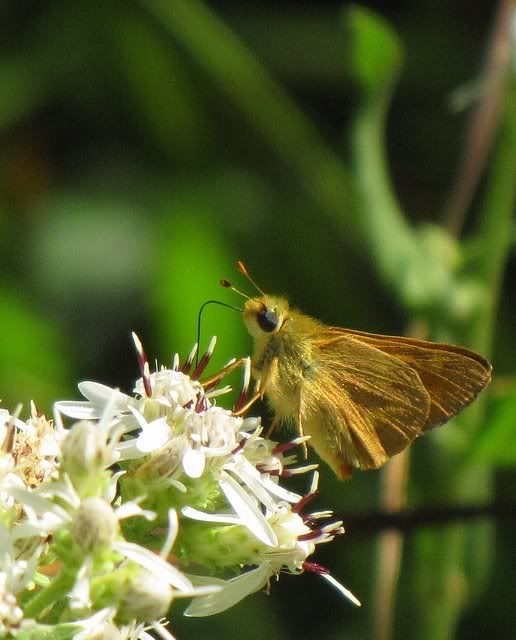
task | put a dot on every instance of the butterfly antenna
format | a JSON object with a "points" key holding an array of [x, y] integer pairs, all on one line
{"points": [[227, 285], [199, 318], [243, 270]]}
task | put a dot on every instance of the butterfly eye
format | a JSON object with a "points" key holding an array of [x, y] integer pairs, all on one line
{"points": [[267, 320]]}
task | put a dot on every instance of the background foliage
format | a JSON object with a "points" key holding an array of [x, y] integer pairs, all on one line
{"points": [[148, 145]]}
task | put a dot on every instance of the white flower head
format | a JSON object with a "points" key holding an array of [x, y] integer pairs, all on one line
{"points": [[28, 449], [283, 544], [177, 421], [179, 448]]}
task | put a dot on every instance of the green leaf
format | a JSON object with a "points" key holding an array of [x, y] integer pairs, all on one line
{"points": [[374, 47]]}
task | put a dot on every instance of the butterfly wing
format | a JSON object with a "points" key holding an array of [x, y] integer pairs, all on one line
{"points": [[372, 405], [381, 392], [453, 376]]}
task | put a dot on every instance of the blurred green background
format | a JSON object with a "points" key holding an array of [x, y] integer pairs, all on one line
{"points": [[146, 146]]}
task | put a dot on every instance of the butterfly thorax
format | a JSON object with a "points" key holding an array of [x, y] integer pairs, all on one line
{"points": [[286, 361]]}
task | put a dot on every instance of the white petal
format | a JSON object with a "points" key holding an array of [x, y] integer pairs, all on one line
{"points": [[161, 631], [315, 483], [194, 462], [154, 564], [223, 518], [81, 409], [173, 527], [128, 450], [39, 505], [299, 470], [112, 488], [41, 527], [219, 392], [100, 394], [178, 485], [252, 478], [125, 424], [130, 509], [49, 445], [233, 591], [93, 623], [280, 491], [153, 436], [248, 511], [346, 592], [205, 580]]}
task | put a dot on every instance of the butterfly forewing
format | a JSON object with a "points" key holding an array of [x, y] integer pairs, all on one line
{"points": [[378, 400], [453, 376]]}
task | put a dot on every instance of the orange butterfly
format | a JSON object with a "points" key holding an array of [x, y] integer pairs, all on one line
{"points": [[361, 397]]}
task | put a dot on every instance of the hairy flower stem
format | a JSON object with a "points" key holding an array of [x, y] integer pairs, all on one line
{"points": [[57, 590]]}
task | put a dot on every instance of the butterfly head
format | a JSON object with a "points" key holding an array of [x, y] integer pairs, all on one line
{"points": [[264, 316]]}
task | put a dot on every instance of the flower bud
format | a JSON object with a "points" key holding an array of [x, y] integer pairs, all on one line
{"points": [[84, 449], [147, 598], [95, 524]]}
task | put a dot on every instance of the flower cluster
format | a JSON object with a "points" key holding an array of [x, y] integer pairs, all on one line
{"points": [[163, 468]]}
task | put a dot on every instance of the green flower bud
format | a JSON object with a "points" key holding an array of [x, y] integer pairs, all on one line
{"points": [[148, 598], [84, 449], [95, 524]]}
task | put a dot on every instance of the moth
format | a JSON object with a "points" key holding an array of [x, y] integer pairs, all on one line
{"points": [[361, 397]]}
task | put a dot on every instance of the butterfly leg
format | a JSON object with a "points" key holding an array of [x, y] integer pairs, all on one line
{"points": [[217, 377], [256, 396], [275, 422], [300, 425], [259, 392]]}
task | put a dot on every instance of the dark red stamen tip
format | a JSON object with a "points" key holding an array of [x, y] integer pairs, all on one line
{"points": [[299, 506], [39, 413], [314, 567], [187, 365], [240, 402], [226, 284], [201, 404], [239, 446], [201, 366], [143, 365], [263, 469], [283, 447], [311, 535], [10, 437]]}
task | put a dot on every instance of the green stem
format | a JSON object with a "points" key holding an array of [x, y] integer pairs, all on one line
{"points": [[408, 264], [57, 590], [391, 240]]}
